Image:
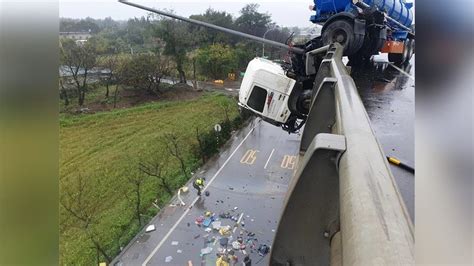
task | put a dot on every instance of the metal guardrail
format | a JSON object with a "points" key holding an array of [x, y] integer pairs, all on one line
{"points": [[343, 206]]}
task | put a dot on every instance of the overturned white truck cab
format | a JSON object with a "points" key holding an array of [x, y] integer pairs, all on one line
{"points": [[265, 90]]}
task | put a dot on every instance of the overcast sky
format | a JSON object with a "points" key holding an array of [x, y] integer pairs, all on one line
{"points": [[283, 13]]}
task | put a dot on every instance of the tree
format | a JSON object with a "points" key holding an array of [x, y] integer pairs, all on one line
{"points": [[216, 60], [154, 166], [78, 60], [112, 64], [145, 71], [209, 36], [251, 21], [136, 179], [177, 40], [101, 45], [255, 23], [80, 25], [226, 109], [207, 144], [174, 147], [136, 30], [83, 204], [244, 52], [63, 91]]}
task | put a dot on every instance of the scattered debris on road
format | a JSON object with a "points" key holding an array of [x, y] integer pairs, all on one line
{"points": [[225, 233], [150, 228]]}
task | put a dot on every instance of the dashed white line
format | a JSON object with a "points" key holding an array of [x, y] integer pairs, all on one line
{"points": [[269, 157], [401, 70], [194, 201]]}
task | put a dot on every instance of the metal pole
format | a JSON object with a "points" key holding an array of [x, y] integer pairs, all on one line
{"points": [[263, 45], [211, 26]]}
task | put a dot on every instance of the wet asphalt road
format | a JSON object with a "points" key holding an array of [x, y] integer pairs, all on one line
{"points": [[253, 171], [252, 174], [389, 99]]}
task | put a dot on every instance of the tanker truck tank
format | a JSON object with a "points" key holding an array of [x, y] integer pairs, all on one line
{"points": [[398, 10], [366, 27]]}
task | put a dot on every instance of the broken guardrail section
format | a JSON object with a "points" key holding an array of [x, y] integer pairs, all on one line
{"points": [[343, 206]]}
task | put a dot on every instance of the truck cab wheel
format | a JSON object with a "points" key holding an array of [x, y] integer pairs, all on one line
{"points": [[341, 31]]}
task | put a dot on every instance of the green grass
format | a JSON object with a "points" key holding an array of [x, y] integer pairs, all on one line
{"points": [[104, 148]]}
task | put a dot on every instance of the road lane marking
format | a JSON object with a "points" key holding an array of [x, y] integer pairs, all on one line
{"points": [[265, 167], [268, 160], [194, 201], [402, 71], [288, 162], [249, 157]]}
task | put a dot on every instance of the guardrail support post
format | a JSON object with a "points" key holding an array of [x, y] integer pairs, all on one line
{"points": [[322, 113], [311, 215]]}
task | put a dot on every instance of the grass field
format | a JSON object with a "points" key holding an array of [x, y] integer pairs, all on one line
{"points": [[100, 152]]}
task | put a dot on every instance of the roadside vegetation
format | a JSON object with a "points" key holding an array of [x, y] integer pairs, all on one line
{"points": [[139, 52], [116, 166], [128, 140]]}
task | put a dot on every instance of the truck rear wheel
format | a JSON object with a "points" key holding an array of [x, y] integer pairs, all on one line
{"points": [[400, 59], [341, 31], [411, 50]]}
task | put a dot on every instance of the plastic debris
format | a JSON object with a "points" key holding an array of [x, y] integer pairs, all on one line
{"points": [[224, 241], [263, 250], [235, 245], [174, 243], [208, 213], [225, 230], [208, 221], [168, 259], [206, 251], [179, 251], [225, 215], [208, 230], [216, 225], [222, 261], [199, 220], [150, 228], [235, 208], [207, 193]]}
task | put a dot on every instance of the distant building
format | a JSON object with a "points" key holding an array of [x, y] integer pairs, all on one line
{"points": [[82, 35], [79, 37]]}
